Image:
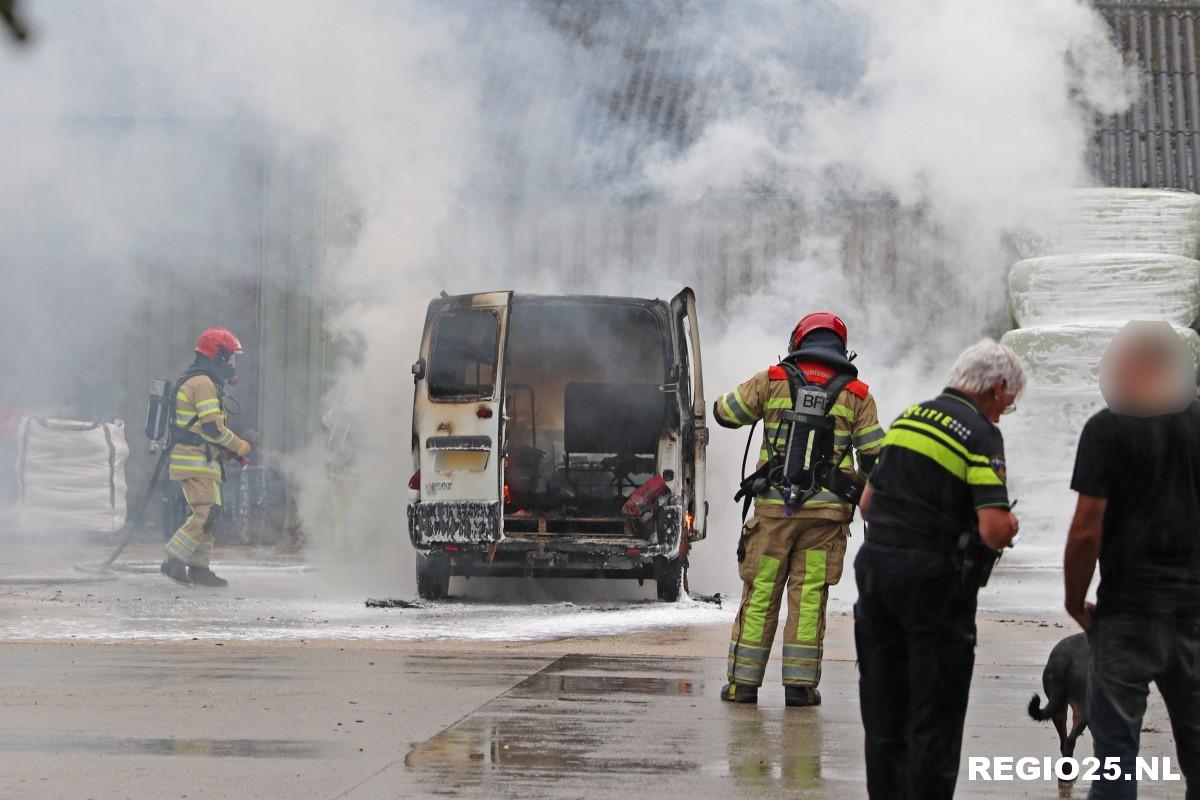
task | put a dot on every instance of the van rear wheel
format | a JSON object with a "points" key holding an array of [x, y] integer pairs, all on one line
{"points": [[668, 574], [433, 576]]}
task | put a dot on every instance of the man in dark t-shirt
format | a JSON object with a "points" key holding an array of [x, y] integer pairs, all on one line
{"points": [[1146, 471], [1138, 479]]}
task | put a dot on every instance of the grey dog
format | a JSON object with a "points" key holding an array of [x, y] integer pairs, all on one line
{"points": [[1065, 681]]}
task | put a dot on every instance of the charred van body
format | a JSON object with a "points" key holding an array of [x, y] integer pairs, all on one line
{"points": [[558, 436]]}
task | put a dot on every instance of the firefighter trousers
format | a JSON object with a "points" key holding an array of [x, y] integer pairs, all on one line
{"points": [[804, 558], [193, 542]]}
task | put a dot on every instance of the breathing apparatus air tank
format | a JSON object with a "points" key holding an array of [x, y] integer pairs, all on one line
{"points": [[810, 443], [159, 409]]}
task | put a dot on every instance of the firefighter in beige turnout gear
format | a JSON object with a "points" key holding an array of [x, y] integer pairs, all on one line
{"points": [[789, 544], [202, 443]]}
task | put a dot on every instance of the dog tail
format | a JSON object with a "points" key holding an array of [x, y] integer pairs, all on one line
{"points": [[1053, 706]]}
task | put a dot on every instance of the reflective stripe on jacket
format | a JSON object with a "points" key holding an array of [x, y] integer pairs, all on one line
{"points": [[198, 403]]}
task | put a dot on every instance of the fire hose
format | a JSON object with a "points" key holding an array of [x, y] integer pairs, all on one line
{"points": [[135, 520], [134, 523]]}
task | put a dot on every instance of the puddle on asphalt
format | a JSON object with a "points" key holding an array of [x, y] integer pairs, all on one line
{"points": [[579, 716], [587, 719], [203, 748], [780, 752], [559, 686], [200, 673]]}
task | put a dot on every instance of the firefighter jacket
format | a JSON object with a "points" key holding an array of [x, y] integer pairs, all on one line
{"points": [[767, 395], [200, 421]]}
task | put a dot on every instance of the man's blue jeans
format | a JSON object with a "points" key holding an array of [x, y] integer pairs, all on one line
{"points": [[1127, 653]]}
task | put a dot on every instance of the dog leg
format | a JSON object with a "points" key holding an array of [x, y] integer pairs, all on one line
{"points": [[1060, 725], [1079, 723]]}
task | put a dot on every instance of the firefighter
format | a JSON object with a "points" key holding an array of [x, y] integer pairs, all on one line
{"points": [[797, 540], [202, 444]]}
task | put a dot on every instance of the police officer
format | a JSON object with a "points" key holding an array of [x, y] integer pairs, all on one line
{"points": [[202, 444], [792, 542], [937, 513]]}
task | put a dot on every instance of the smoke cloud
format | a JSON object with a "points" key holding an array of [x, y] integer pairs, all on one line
{"points": [[870, 158]]}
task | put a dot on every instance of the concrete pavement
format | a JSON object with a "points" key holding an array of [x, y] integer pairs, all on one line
{"points": [[567, 719], [284, 688]]}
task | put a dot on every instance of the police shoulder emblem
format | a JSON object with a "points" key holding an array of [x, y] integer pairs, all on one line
{"points": [[998, 467]]}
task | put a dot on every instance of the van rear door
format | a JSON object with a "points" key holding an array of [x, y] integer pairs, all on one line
{"points": [[458, 420], [692, 409]]}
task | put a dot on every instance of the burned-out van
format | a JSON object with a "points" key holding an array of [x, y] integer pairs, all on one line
{"points": [[557, 436]]}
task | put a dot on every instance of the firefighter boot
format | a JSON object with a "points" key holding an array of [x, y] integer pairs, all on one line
{"points": [[739, 693], [176, 570], [203, 576], [795, 696]]}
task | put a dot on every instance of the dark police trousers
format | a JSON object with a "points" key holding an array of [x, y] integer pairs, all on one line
{"points": [[1127, 652], [914, 627]]}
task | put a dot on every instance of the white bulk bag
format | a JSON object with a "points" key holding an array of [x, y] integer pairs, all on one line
{"points": [[71, 476], [1100, 287]]}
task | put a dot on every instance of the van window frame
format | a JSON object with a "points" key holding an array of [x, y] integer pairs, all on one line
{"points": [[470, 397]]}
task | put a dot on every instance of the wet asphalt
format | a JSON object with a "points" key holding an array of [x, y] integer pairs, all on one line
{"points": [[205, 720], [277, 688]]}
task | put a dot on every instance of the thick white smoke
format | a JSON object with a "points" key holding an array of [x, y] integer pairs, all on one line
{"points": [[969, 117], [446, 131], [380, 98]]}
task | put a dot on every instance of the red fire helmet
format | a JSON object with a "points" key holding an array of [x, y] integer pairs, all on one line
{"points": [[216, 342], [818, 320]]}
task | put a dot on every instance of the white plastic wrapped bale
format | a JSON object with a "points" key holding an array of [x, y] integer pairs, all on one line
{"points": [[1067, 357], [1117, 220], [1041, 436], [1062, 369], [1053, 290], [71, 476]]}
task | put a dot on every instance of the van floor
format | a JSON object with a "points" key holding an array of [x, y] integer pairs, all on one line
{"points": [[562, 523]]}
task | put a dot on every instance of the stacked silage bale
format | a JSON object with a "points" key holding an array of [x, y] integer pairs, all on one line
{"points": [[1117, 220], [1120, 255]]}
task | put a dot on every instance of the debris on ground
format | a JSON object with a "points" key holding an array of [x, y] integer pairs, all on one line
{"points": [[391, 602], [715, 599]]}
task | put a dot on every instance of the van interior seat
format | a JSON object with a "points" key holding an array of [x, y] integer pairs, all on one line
{"points": [[613, 418], [620, 421]]}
